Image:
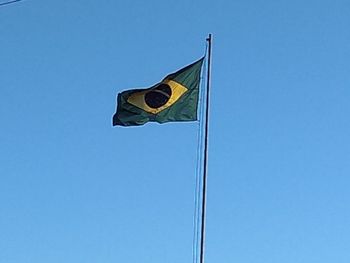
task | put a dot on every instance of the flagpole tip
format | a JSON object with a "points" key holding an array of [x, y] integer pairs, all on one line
{"points": [[209, 37]]}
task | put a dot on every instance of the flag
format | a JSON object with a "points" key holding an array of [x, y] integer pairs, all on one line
{"points": [[175, 98]]}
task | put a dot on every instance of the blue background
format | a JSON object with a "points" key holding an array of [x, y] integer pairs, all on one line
{"points": [[74, 189]]}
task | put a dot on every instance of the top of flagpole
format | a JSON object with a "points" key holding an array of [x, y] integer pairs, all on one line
{"points": [[209, 37]]}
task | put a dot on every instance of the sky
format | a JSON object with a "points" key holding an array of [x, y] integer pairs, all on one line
{"points": [[74, 189]]}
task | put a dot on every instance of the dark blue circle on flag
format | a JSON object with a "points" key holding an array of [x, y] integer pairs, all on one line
{"points": [[158, 96]]}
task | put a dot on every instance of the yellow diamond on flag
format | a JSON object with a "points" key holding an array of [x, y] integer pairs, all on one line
{"points": [[158, 98]]}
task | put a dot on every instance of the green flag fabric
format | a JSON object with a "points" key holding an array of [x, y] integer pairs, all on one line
{"points": [[175, 98]]}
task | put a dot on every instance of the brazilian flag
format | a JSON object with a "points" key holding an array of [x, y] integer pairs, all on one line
{"points": [[175, 98]]}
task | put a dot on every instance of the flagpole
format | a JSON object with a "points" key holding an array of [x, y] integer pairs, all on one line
{"points": [[205, 161]]}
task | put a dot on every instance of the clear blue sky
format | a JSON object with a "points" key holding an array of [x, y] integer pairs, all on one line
{"points": [[74, 189]]}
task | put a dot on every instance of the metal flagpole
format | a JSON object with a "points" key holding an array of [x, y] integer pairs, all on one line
{"points": [[205, 162]]}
